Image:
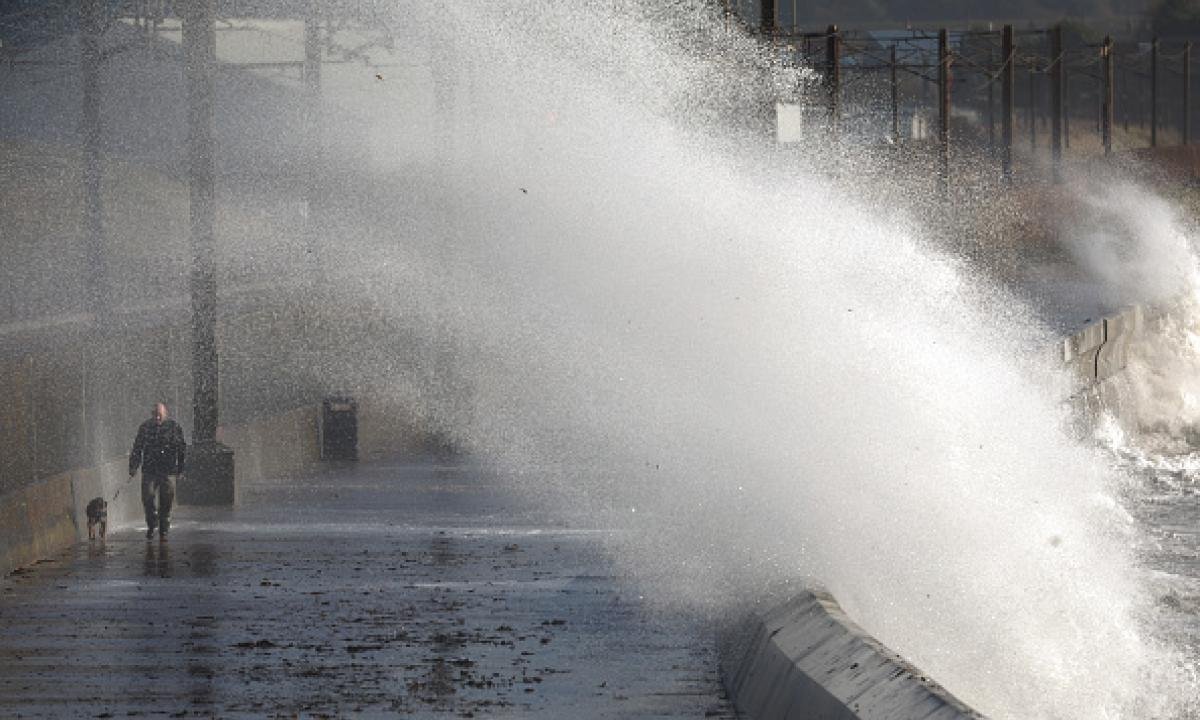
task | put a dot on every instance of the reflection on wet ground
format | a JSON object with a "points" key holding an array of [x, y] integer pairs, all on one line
{"points": [[158, 560], [379, 590]]}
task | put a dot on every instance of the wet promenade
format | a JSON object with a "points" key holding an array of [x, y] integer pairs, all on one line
{"points": [[378, 590]]}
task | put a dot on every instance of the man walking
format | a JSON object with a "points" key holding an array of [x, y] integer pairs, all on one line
{"points": [[159, 450]]}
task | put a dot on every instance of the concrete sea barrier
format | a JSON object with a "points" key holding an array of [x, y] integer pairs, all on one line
{"points": [[806, 659]]}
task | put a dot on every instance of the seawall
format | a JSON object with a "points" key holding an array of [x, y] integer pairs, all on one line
{"points": [[806, 659], [1100, 350], [48, 516], [803, 658]]}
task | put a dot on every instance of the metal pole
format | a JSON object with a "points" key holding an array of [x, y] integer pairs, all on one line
{"points": [[833, 75], [944, 107], [768, 19], [1106, 55], [895, 98], [1066, 115], [1056, 100], [199, 44], [991, 107], [1032, 110], [210, 469], [95, 273], [1007, 97], [1186, 130], [1154, 93], [1127, 103], [313, 131], [92, 128]]}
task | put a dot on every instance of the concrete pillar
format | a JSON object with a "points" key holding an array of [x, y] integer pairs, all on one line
{"points": [[91, 130], [314, 145], [210, 479]]}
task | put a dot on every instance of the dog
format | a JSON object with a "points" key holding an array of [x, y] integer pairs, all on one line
{"points": [[97, 516]]}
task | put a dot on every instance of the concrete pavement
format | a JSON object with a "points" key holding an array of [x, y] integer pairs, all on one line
{"points": [[380, 589]]}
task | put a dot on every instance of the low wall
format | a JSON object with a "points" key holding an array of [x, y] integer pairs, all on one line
{"points": [[36, 521], [43, 518], [1101, 350], [273, 447], [806, 659], [385, 431], [1099, 353], [48, 516]]}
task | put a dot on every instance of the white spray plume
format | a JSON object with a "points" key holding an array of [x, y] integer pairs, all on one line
{"points": [[1132, 243], [1136, 248], [650, 321]]}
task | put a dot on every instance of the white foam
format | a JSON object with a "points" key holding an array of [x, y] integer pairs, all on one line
{"points": [[623, 299]]}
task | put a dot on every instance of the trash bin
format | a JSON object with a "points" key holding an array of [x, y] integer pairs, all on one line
{"points": [[339, 428]]}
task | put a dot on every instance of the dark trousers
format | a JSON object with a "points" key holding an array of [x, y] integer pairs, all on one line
{"points": [[160, 488]]}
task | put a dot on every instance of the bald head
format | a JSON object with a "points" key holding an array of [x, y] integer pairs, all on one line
{"points": [[160, 413]]}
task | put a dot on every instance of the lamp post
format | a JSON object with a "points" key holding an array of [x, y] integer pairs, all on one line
{"points": [[210, 479]]}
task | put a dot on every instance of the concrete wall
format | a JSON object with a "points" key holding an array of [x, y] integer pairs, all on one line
{"points": [[47, 516], [383, 431], [73, 397], [1100, 350], [273, 447], [36, 521], [806, 659]]}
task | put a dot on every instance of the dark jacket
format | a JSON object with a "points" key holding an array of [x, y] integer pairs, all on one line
{"points": [[158, 449]]}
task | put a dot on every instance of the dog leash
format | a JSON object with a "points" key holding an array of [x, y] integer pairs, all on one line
{"points": [[122, 487]]}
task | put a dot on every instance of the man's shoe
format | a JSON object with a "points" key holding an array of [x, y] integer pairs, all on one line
{"points": [[150, 534], [162, 536]]}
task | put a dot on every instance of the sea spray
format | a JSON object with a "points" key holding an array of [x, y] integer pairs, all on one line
{"points": [[658, 324], [1135, 248]]}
